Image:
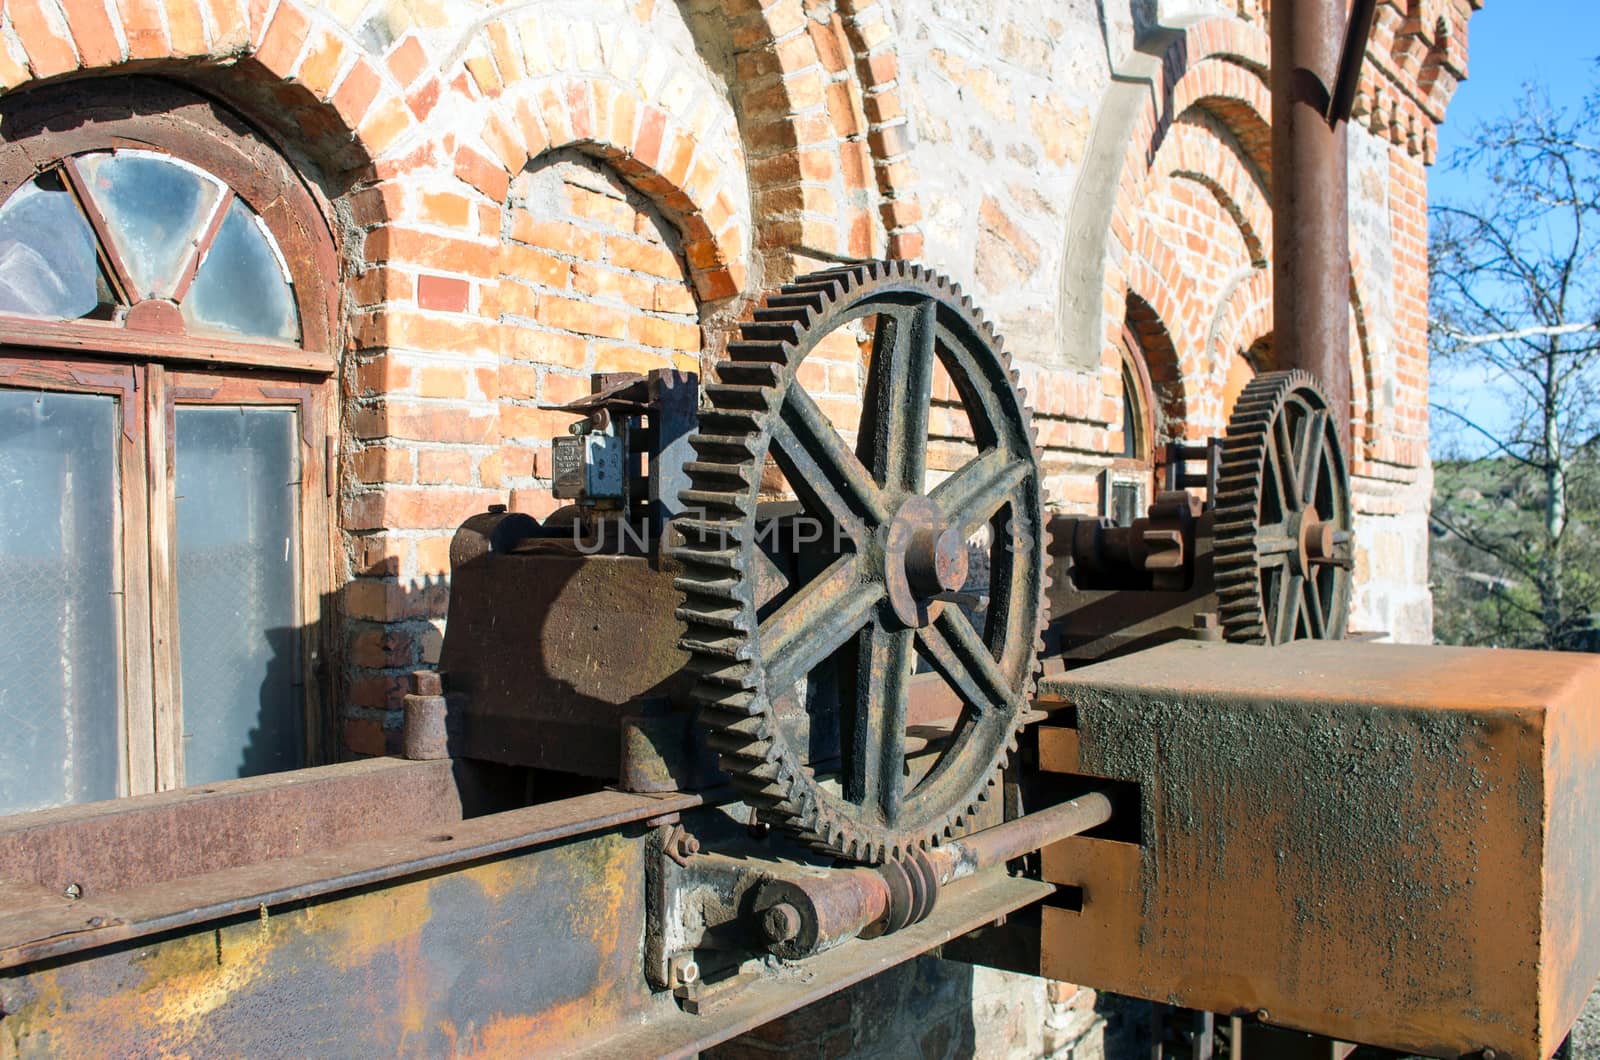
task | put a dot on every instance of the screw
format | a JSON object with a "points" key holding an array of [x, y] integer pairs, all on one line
{"points": [[780, 923], [73, 891]]}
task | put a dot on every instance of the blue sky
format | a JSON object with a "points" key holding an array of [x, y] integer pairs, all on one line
{"points": [[1510, 42]]}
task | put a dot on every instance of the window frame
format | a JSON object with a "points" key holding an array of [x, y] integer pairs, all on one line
{"points": [[41, 128], [1142, 468], [155, 369]]}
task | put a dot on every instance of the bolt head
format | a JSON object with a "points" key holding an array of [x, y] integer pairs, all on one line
{"points": [[780, 923]]}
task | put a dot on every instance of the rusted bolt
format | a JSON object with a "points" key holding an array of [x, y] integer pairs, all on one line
{"points": [[1263, 1015], [780, 923], [426, 683], [73, 891], [679, 845], [684, 971], [96, 921], [1489, 1054]]}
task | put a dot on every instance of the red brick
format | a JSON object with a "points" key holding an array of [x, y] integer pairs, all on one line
{"points": [[446, 466], [640, 256], [666, 334], [48, 54], [407, 60], [558, 236], [581, 317], [91, 30], [448, 293], [356, 92]]}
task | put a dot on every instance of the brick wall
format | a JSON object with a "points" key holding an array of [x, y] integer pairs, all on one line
{"points": [[520, 197]]}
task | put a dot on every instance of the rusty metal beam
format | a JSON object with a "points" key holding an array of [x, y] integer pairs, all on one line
{"points": [[1310, 209]]}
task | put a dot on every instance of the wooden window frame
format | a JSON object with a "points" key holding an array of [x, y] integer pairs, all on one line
{"points": [[43, 128], [126, 383], [153, 366]]}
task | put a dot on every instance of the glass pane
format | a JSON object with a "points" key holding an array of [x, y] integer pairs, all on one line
{"points": [[48, 264], [60, 670], [242, 286], [154, 208], [236, 480], [1125, 503]]}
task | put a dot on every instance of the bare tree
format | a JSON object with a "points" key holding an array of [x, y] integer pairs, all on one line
{"points": [[1516, 301]]}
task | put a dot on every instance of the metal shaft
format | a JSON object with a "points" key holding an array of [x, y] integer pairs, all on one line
{"points": [[802, 917], [1310, 210]]}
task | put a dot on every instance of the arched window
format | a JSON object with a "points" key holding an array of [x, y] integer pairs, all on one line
{"points": [[1130, 480], [166, 338]]}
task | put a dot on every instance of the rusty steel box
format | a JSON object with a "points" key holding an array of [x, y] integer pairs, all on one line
{"points": [[1384, 844]]}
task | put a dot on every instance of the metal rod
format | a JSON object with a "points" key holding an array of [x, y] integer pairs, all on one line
{"points": [[1351, 58], [1310, 215], [1009, 841], [802, 917]]}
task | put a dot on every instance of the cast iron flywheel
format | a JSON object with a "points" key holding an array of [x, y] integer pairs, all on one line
{"points": [[912, 577], [1283, 525]]}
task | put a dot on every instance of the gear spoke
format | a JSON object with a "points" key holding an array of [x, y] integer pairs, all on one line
{"points": [[1283, 460], [874, 745], [894, 424], [1288, 607], [1316, 620], [970, 497], [815, 621], [964, 661], [1311, 458], [823, 463], [1274, 544]]}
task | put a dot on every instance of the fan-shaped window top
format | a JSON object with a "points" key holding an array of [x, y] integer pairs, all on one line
{"points": [[144, 239]]}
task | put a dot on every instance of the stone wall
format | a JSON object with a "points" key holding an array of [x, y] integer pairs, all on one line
{"points": [[524, 194]]}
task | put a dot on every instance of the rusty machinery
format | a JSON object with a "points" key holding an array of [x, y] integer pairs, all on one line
{"points": [[758, 715]]}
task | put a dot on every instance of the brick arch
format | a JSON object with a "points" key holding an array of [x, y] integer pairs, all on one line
{"points": [[1243, 320], [1149, 308], [1369, 422], [822, 120], [1194, 152], [673, 148], [316, 81], [1217, 66]]}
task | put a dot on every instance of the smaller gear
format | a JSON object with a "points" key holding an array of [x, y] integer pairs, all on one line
{"points": [[1284, 548]]}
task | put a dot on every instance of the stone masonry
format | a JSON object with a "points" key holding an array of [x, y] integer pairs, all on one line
{"points": [[521, 194]]}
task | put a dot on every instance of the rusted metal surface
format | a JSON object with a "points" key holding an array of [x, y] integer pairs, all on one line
{"points": [[550, 650], [1310, 210], [515, 934], [512, 956], [44, 921], [107, 846], [744, 1004], [1378, 843]]}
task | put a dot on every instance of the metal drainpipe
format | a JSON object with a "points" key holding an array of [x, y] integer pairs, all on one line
{"points": [[1310, 211]]}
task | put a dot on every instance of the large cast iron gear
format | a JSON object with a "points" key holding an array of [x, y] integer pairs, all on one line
{"points": [[1283, 547], [897, 590]]}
